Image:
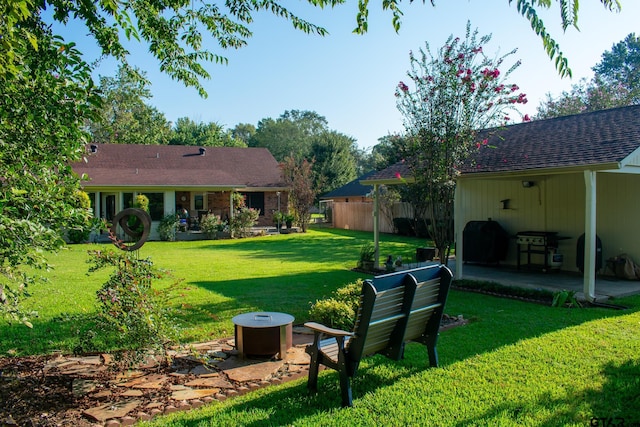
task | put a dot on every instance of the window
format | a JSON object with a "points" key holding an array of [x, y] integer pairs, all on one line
{"points": [[255, 201], [198, 202], [156, 205]]}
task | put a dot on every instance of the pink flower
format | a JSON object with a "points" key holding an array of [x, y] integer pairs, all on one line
{"points": [[403, 87], [398, 175], [461, 56], [477, 49], [514, 88], [485, 141], [472, 87], [526, 118]]}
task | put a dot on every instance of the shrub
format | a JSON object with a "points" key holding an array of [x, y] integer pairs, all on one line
{"points": [[211, 224], [338, 311], [167, 228], [131, 315], [242, 221], [333, 313]]}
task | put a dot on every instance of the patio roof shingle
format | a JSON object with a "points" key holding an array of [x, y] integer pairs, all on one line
{"points": [[590, 140]]}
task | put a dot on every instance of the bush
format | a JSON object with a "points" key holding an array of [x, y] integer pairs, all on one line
{"points": [[167, 228], [131, 315], [242, 221], [338, 311], [211, 224]]}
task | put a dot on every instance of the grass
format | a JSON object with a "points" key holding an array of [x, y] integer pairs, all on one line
{"points": [[515, 363], [221, 278]]}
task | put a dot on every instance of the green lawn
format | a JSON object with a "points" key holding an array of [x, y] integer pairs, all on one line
{"points": [[220, 278], [515, 363]]}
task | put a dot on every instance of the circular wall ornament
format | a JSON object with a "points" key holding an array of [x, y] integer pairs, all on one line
{"points": [[183, 198], [135, 223]]}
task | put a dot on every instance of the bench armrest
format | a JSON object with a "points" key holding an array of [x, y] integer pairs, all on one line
{"points": [[317, 327]]}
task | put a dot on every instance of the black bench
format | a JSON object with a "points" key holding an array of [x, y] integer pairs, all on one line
{"points": [[394, 308]]}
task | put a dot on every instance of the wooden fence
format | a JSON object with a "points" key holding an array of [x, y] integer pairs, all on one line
{"points": [[359, 215]]}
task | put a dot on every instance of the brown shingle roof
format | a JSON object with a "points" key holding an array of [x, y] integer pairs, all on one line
{"points": [[178, 166], [590, 140]]}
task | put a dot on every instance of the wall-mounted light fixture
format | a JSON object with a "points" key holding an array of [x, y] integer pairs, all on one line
{"points": [[528, 184]]}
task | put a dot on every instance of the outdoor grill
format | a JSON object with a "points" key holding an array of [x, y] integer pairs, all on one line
{"points": [[537, 242], [537, 238]]}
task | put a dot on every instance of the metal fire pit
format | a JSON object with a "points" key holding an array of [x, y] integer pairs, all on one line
{"points": [[263, 334]]}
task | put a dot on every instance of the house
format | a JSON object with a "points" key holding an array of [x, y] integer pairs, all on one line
{"points": [[576, 176], [174, 177]]}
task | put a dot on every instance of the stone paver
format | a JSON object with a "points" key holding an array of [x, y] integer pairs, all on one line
{"points": [[112, 410]]}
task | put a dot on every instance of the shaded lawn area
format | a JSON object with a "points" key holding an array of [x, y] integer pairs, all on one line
{"points": [[221, 279], [516, 363]]}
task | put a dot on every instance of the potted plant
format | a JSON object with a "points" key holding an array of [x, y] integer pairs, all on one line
{"points": [[278, 219], [288, 219], [367, 256]]}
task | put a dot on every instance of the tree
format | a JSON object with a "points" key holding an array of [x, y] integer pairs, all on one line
{"points": [[189, 132], [290, 135], [584, 97], [621, 67], [243, 132], [455, 94], [616, 83], [124, 116], [45, 102], [298, 176], [334, 163]]}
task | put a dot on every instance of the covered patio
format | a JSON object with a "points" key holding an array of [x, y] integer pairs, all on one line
{"points": [[609, 287]]}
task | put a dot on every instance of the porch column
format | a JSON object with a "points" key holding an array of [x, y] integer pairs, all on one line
{"points": [[98, 205], [376, 225], [589, 278], [457, 231], [230, 204]]}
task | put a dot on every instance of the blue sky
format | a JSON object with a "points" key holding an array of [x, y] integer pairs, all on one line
{"points": [[350, 79]]}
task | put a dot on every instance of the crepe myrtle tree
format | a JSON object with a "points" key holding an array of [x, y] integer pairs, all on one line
{"points": [[453, 94]]}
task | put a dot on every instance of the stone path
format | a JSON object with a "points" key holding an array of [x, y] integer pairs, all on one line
{"points": [[199, 374]]}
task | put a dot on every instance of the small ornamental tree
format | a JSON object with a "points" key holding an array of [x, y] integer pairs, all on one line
{"points": [[298, 176], [454, 94]]}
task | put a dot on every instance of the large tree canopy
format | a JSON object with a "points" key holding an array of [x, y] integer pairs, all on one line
{"points": [[616, 83], [125, 118], [180, 33], [43, 108], [189, 132], [621, 67]]}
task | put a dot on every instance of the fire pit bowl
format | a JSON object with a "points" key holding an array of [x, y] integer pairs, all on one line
{"points": [[263, 334]]}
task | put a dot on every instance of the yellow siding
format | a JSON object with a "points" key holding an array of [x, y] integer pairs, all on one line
{"points": [[556, 203]]}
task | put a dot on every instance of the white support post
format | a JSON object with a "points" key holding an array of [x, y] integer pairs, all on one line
{"points": [[458, 227], [376, 225], [589, 278]]}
